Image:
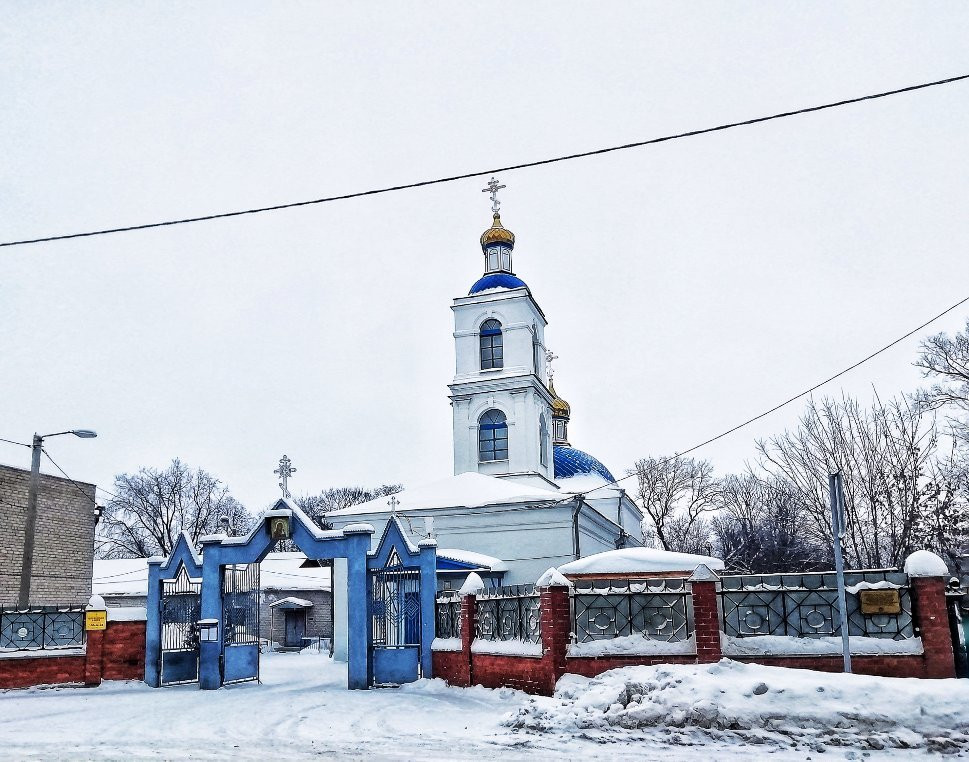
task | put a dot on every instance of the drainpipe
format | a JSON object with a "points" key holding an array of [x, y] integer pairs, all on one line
{"points": [[575, 527]]}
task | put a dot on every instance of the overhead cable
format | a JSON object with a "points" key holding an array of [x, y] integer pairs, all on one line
{"points": [[495, 170]]}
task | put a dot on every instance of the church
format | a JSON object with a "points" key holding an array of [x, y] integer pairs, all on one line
{"points": [[522, 498]]}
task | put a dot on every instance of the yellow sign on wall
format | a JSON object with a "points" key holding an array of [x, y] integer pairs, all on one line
{"points": [[95, 620]]}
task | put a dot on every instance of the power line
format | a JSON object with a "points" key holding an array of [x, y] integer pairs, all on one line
{"points": [[792, 399], [496, 170], [10, 441], [64, 474]]}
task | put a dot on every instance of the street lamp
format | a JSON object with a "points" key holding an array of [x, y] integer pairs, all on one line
{"points": [[30, 525]]}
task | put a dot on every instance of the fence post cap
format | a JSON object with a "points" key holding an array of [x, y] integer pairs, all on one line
{"points": [[553, 578], [96, 603], [703, 573], [473, 584], [925, 563]]}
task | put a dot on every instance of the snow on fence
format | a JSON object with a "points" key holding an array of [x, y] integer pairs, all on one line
{"points": [[41, 628], [655, 609], [806, 605]]}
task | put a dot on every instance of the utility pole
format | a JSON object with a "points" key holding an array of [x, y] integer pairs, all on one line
{"points": [[30, 522], [837, 533]]}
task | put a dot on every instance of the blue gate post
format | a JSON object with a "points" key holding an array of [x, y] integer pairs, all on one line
{"points": [[153, 624], [428, 561], [358, 624], [210, 670]]}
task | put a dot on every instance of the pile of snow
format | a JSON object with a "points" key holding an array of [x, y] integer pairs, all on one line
{"points": [[769, 706], [924, 563], [633, 645], [639, 561], [473, 584], [784, 645], [552, 577], [487, 563]]}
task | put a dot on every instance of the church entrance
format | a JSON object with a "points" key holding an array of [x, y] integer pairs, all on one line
{"points": [[210, 601], [395, 611]]}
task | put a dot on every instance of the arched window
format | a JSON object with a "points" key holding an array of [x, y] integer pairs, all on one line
{"points": [[543, 440], [492, 353], [492, 436]]}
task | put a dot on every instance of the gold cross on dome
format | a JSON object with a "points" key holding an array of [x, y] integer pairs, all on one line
{"points": [[493, 188]]}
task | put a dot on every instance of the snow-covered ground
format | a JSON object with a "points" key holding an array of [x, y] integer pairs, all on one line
{"points": [[302, 710]]}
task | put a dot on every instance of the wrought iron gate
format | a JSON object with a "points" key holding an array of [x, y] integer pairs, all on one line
{"points": [[395, 622], [180, 610], [240, 623]]}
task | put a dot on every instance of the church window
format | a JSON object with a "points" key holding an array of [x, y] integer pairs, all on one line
{"points": [[492, 351], [543, 440], [493, 436]]}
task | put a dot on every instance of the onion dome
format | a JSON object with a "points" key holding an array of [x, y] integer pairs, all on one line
{"points": [[497, 234], [560, 408], [569, 461]]}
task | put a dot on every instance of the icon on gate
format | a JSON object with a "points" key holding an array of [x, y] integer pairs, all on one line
{"points": [[279, 528]]}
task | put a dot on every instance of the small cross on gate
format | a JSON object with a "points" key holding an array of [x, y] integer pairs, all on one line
{"points": [[393, 503], [284, 471], [493, 188]]}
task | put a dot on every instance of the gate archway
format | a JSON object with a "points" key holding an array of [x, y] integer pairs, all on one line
{"points": [[227, 626]]}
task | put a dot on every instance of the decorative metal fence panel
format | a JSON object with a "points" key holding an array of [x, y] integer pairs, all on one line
{"points": [[509, 613], [806, 605], [240, 604], [41, 628], [395, 605], [657, 609], [447, 616]]}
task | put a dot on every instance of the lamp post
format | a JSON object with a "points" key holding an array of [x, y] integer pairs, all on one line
{"points": [[30, 525]]}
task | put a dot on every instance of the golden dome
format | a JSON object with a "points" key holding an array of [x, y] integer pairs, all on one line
{"points": [[497, 234], [560, 408]]}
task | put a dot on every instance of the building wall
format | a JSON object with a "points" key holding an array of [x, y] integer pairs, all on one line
{"points": [[63, 540], [319, 621]]}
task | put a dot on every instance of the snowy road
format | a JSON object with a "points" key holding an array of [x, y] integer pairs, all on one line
{"points": [[301, 711]]}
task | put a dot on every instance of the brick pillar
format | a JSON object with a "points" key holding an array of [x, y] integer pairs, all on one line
{"points": [[932, 625], [468, 613], [93, 658], [556, 622], [706, 615]]}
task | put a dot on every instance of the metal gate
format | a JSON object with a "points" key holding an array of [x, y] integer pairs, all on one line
{"points": [[180, 610], [395, 614], [240, 623]]}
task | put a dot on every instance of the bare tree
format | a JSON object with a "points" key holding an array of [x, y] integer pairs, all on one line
{"points": [[946, 359], [763, 528], [151, 508], [886, 455], [675, 494]]}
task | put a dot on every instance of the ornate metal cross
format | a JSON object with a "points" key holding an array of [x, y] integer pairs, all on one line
{"points": [[393, 503], [493, 187], [549, 356], [284, 471]]}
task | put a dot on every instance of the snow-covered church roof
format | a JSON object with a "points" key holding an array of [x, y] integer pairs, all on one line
{"points": [[639, 561], [467, 490]]}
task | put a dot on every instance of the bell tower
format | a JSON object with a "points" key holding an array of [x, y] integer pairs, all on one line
{"points": [[499, 397]]}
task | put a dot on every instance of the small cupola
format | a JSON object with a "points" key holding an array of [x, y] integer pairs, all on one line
{"points": [[560, 417]]}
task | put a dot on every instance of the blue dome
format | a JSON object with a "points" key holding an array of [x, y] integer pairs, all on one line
{"points": [[570, 462], [497, 280]]}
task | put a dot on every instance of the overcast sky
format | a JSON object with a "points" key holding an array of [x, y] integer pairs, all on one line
{"points": [[688, 285]]}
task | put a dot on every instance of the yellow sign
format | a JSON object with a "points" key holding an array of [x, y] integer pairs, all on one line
{"points": [[95, 620], [880, 602]]}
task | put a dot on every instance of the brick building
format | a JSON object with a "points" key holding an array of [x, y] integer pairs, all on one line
{"points": [[63, 540]]}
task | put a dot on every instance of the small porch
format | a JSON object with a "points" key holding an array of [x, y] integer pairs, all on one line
{"points": [[287, 624]]}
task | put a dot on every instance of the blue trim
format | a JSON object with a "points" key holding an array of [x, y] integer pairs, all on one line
{"points": [[570, 462], [497, 280], [491, 327]]}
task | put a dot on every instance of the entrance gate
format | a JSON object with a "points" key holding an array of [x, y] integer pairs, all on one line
{"points": [[240, 623], [395, 614], [180, 606]]}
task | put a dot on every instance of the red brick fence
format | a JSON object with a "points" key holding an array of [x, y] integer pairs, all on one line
{"points": [[115, 653], [535, 660]]}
